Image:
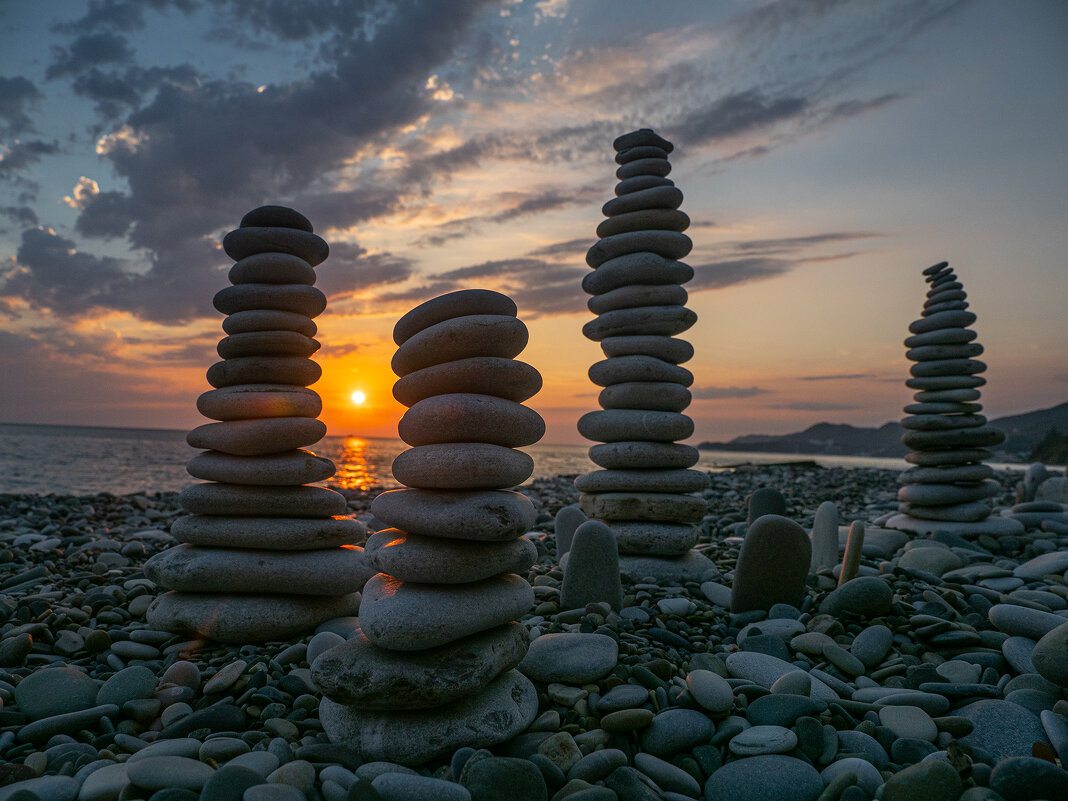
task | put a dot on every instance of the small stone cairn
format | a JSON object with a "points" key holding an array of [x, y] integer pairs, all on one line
{"points": [[645, 490], [948, 487], [432, 667], [263, 555]]}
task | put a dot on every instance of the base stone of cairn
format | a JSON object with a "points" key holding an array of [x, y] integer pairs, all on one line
{"points": [[432, 667], [264, 555], [948, 486], [645, 491]]}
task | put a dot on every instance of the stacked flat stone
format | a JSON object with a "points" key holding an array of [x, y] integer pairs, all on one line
{"points": [[263, 554], [948, 488], [644, 491], [432, 667]]}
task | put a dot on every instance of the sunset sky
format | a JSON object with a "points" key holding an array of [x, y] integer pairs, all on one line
{"points": [[828, 152]]}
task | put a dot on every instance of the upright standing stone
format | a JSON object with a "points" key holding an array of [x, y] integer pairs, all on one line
{"points": [[825, 537], [592, 572], [565, 525], [645, 491], [765, 501], [264, 554], [948, 488], [431, 668], [772, 565]]}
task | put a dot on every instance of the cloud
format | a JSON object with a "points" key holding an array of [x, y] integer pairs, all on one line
{"points": [[20, 155], [120, 15], [794, 243], [23, 215], [82, 193], [733, 115], [720, 393], [89, 50], [569, 247], [731, 272], [813, 406], [17, 94], [351, 270], [840, 377], [104, 214], [115, 93]]}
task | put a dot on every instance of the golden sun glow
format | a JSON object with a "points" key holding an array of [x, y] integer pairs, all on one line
{"points": [[358, 397]]}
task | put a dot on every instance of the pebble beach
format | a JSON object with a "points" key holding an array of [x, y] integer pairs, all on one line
{"points": [[920, 682]]}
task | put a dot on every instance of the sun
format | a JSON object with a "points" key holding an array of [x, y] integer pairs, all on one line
{"points": [[358, 397]]}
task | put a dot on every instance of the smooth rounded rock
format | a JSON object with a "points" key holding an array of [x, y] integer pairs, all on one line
{"points": [[485, 375], [296, 298], [462, 303], [157, 773], [865, 596], [1002, 728], [675, 730], [495, 515], [257, 437], [664, 321], [461, 338], [929, 780], [651, 395], [758, 740], [278, 469], [246, 401], [642, 481], [264, 370], [644, 269], [771, 776], [266, 343], [1050, 656], [243, 242], [570, 658], [272, 268], [466, 417], [462, 465], [276, 217], [55, 691], [269, 320], [592, 572], [668, 349], [272, 533], [622, 425], [437, 560], [947, 319], [644, 219], [644, 506], [640, 455], [654, 197], [636, 295], [772, 565], [620, 369], [237, 499]]}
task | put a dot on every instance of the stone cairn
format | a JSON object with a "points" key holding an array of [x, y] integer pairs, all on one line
{"points": [[263, 555], [947, 488], [432, 666], [644, 490]]}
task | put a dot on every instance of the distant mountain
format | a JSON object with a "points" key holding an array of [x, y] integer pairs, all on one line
{"points": [[1023, 434]]}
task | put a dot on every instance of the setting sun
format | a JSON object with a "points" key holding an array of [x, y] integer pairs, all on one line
{"points": [[358, 397]]}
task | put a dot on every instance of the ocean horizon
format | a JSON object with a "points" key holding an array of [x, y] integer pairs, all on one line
{"points": [[44, 459]]}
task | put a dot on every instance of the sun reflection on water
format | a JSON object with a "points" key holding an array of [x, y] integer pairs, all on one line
{"points": [[354, 470]]}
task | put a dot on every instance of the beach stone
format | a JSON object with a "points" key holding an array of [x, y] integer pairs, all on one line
{"points": [[358, 674], [462, 303], [125, 685], [655, 538], [269, 320], [294, 370], [266, 343], [866, 775], [162, 772], [15, 649], [636, 269], [675, 481], [41, 788], [1021, 621], [691, 566], [765, 501], [243, 242], [272, 792], [437, 560], [930, 560], [276, 217], [783, 709], [456, 514], [462, 465], [1002, 728], [66, 723], [466, 417], [1023, 778], [667, 349], [644, 506], [484, 375], [229, 783], [772, 565], [565, 524], [275, 533], [1043, 565], [257, 437], [865, 596], [278, 469], [653, 197], [710, 690], [872, 644], [667, 776], [245, 618], [658, 396], [504, 778], [189, 568], [464, 337], [236, 499], [296, 298], [764, 670], [676, 730], [272, 268], [783, 778], [497, 713], [405, 787], [570, 658], [824, 538], [245, 401], [630, 297], [104, 783], [909, 722], [665, 321], [636, 369], [643, 455], [669, 244], [644, 219], [622, 425], [1050, 655], [592, 572], [760, 740], [55, 691], [404, 616]]}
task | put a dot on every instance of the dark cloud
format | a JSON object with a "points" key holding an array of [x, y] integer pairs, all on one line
{"points": [[17, 94], [286, 20], [120, 15], [719, 393], [730, 272], [106, 215], [87, 51], [115, 93], [351, 270], [794, 243], [841, 377], [732, 115], [22, 215], [570, 247], [813, 406], [21, 155]]}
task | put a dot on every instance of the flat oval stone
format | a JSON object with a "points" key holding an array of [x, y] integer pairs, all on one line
{"points": [[461, 303], [295, 298], [655, 538], [496, 515], [946, 494], [938, 352], [276, 217], [935, 308], [710, 690], [958, 512], [947, 457], [943, 408], [758, 740], [765, 670], [646, 219], [264, 370], [462, 465], [461, 338], [783, 709], [266, 343], [908, 721], [669, 244], [635, 295], [360, 674], [274, 533], [945, 382], [404, 616], [621, 369], [865, 596], [640, 152], [657, 396], [654, 197], [1001, 728], [330, 571], [243, 619], [777, 776], [941, 367], [647, 269], [642, 137], [288, 467], [243, 242], [1020, 621], [269, 320], [663, 321], [960, 438], [483, 375], [640, 182], [412, 737], [272, 268], [246, 401], [675, 351], [257, 437], [947, 396], [437, 560], [467, 417], [619, 425], [235, 499], [675, 730], [160, 772], [643, 455], [632, 169], [570, 658], [644, 506], [943, 294], [55, 691], [942, 336], [946, 319], [643, 481]]}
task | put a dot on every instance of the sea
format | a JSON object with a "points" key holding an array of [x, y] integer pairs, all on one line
{"points": [[83, 460]]}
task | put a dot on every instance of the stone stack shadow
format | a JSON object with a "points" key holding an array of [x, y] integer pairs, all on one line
{"points": [[644, 491], [948, 487], [264, 555], [432, 666]]}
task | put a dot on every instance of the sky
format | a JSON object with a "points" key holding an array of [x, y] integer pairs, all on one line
{"points": [[828, 152]]}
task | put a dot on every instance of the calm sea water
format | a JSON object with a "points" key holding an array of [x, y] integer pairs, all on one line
{"points": [[77, 460]]}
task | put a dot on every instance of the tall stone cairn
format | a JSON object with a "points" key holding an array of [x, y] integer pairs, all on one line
{"points": [[263, 556], [645, 491], [432, 667], [948, 488]]}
